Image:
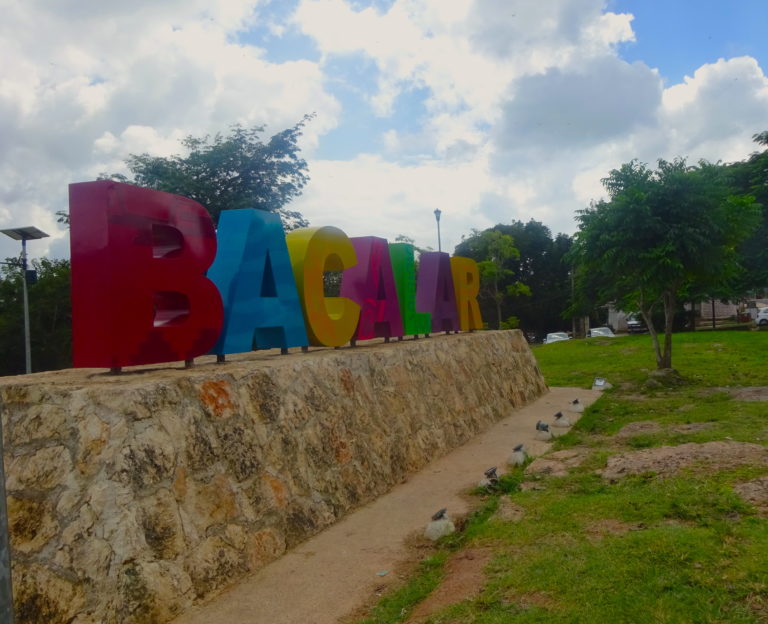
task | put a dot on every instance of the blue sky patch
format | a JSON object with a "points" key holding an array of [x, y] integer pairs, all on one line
{"points": [[353, 80], [291, 45], [679, 37]]}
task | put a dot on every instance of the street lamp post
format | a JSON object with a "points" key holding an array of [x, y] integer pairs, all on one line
{"points": [[438, 212], [6, 589], [24, 234]]}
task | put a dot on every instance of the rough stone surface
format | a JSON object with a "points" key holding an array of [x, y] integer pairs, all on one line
{"points": [[131, 496]]}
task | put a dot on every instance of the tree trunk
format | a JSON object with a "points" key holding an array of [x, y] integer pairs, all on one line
{"points": [[646, 313], [670, 302]]}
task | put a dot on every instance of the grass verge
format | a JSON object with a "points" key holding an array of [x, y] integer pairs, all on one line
{"points": [[683, 548]]}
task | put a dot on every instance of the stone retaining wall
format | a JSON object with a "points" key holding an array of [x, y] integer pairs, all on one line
{"points": [[130, 497]]}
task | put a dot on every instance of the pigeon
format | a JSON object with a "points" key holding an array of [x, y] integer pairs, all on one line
{"points": [[518, 456], [491, 479], [440, 526], [542, 431], [575, 406], [561, 420]]}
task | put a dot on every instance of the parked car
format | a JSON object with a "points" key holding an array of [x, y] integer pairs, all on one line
{"points": [[600, 332], [762, 316], [636, 324], [556, 337]]}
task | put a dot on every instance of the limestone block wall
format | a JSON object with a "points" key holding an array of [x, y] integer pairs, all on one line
{"points": [[130, 497]]}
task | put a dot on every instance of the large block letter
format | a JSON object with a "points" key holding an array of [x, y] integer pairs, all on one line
{"points": [[404, 269], [139, 291], [253, 273], [330, 321], [434, 291], [466, 284], [371, 284]]}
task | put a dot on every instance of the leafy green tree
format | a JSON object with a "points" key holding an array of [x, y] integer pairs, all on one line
{"points": [[402, 238], [49, 317], [660, 233], [493, 251], [227, 172], [540, 266], [751, 177]]}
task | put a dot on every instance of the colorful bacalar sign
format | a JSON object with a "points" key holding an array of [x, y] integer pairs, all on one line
{"points": [[153, 281]]}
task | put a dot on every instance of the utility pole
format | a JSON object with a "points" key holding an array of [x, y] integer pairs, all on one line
{"points": [[6, 587], [24, 234], [438, 212]]}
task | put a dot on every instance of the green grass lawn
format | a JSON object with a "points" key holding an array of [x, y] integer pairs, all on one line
{"points": [[683, 548], [705, 359]]}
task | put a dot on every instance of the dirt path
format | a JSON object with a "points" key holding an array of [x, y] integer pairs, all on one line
{"points": [[330, 575]]}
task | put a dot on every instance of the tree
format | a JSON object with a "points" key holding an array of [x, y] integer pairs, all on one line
{"points": [[49, 317], [751, 177], [228, 172], [540, 266], [493, 250], [403, 238], [660, 233]]}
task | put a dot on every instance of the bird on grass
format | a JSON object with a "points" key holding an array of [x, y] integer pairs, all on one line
{"points": [[542, 431], [440, 525], [575, 406], [561, 420], [491, 479], [518, 457]]}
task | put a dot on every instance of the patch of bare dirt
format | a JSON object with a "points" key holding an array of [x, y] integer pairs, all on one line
{"points": [[667, 460], [749, 393], [639, 428], [691, 427], [530, 600], [755, 492], [509, 511], [557, 464], [610, 527], [650, 427], [758, 603], [464, 579], [532, 486]]}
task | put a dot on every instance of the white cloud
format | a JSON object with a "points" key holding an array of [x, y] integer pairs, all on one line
{"points": [[579, 106], [369, 196], [528, 104], [714, 114], [83, 84]]}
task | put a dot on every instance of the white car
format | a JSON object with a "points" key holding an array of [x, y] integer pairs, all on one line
{"points": [[556, 337], [762, 316], [600, 332]]}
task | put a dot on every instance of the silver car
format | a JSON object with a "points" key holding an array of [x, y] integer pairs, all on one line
{"points": [[556, 337], [600, 332]]}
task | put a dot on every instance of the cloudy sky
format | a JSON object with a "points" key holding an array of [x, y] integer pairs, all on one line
{"points": [[490, 110]]}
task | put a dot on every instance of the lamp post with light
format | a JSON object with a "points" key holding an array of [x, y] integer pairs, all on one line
{"points": [[438, 212], [24, 234], [6, 588]]}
